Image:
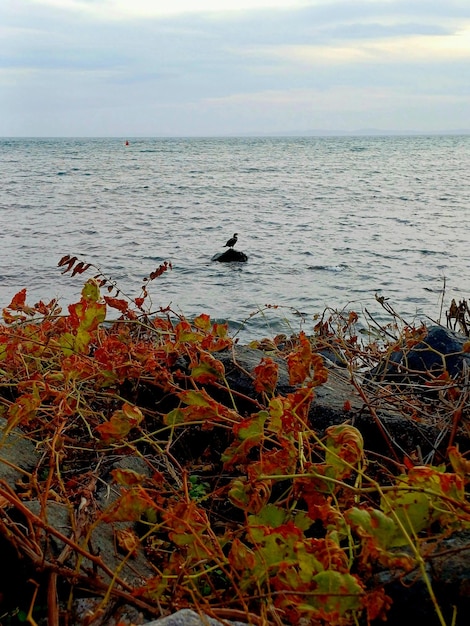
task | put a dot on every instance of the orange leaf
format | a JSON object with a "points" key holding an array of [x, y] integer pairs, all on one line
{"points": [[117, 303], [304, 366], [266, 375], [121, 423], [460, 464], [203, 321], [130, 507], [299, 361], [128, 540], [18, 301]]}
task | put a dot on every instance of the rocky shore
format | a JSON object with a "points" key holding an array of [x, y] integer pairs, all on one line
{"points": [[401, 407]]}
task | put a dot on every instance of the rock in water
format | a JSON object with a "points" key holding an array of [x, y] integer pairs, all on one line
{"points": [[230, 256]]}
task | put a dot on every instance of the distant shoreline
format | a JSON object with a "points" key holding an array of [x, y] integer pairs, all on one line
{"points": [[266, 135]]}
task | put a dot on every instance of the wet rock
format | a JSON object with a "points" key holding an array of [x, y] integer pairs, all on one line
{"points": [[230, 256], [187, 617], [90, 612], [441, 350], [334, 402], [17, 455], [448, 569]]}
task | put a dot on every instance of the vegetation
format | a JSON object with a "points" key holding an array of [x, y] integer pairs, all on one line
{"points": [[241, 509]]}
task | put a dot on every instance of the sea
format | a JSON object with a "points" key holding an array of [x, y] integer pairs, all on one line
{"points": [[329, 224]]}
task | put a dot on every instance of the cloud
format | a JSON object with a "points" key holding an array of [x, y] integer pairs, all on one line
{"points": [[87, 67], [401, 49], [122, 9]]}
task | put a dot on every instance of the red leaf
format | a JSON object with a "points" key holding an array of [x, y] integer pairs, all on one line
{"points": [[80, 268], [69, 264], [63, 260], [266, 374], [117, 303], [18, 301], [304, 366], [166, 265]]}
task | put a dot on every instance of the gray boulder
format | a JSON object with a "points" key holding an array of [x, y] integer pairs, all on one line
{"points": [[441, 350], [187, 617]]}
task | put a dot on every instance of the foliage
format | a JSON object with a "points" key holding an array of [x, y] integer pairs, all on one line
{"points": [[243, 508]]}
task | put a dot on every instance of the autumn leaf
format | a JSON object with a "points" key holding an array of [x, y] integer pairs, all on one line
{"points": [[208, 369], [117, 303], [127, 477], [266, 375], [128, 541], [120, 423], [460, 464], [185, 333], [344, 449], [249, 433], [18, 301], [23, 410], [305, 366], [67, 261], [200, 407], [299, 361], [336, 592], [80, 268], [131, 506], [203, 322], [165, 266]]}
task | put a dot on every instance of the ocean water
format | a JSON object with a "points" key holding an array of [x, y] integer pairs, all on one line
{"points": [[325, 222]]}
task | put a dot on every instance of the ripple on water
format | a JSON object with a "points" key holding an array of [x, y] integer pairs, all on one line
{"points": [[324, 221]]}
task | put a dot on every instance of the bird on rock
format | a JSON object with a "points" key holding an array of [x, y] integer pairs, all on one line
{"points": [[232, 241]]}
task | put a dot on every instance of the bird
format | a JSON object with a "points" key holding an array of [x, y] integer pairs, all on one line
{"points": [[232, 241]]}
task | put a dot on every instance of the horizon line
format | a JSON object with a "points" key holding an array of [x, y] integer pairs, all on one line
{"points": [[292, 133]]}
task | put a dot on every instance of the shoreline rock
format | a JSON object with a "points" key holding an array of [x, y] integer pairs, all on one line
{"points": [[335, 402]]}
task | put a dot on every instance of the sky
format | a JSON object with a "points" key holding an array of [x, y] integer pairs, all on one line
{"points": [[152, 68]]}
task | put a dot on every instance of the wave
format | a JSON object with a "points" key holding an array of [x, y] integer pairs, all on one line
{"points": [[328, 268]]}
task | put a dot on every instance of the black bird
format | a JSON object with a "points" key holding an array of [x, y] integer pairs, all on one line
{"points": [[232, 241]]}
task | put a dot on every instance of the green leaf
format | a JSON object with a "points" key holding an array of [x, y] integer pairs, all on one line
{"points": [[174, 417], [373, 523], [67, 343], [270, 515], [238, 493], [252, 427], [308, 564], [93, 315], [91, 291], [204, 370], [422, 497], [196, 398], [82, 341], [345, 448], [337, 592], [413, 510], [202, 322]]}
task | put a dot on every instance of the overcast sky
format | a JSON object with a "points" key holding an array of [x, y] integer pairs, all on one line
{"points": [[215, 67]]}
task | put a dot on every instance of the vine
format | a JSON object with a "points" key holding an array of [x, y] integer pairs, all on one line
{"points": [[242, 509]]}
